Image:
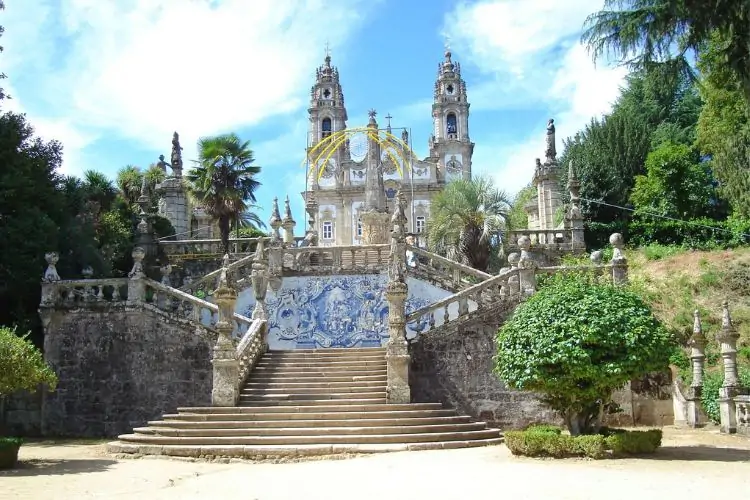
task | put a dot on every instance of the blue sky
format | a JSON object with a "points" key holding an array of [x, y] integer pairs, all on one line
{"points": [[113, 79]]}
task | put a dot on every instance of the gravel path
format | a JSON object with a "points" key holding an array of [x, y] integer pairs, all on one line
{"points": [[692, 464]]}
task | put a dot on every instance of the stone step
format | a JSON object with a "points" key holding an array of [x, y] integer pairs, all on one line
{"points": [[326, 406], [337, 356], [324, 364], [317, 372], [319, 394], [260, 451], [312, 402], [310, 420], [313, 439], [315, 431], [310, 413], [330, 350], [347, 388], [285, 379]]}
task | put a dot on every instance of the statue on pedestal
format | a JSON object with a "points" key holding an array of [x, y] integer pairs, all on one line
{"points": [[176, 155], [551, 152]]}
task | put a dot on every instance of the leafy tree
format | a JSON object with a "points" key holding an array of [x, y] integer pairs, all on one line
{"points": [[129, 179], [466, 219], [223, 180], [3, 95], [723, 131], [645, 33], [575, 342], [676, 184], [517, 216], [22, 366]]}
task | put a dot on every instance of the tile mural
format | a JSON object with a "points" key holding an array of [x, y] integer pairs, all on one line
{"points": [[335, 311]]}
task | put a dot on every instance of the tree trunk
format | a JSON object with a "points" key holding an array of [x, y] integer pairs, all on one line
{"points": [[224, 222], [587, 421]]}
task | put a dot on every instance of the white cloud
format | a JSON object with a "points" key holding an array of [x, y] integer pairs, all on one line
{"points": [[530, 52], [144, 68]]}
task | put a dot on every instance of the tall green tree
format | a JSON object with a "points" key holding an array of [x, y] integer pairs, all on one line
{"points": [[223, 180], [645, 33], [517, 216], [466, 219]]}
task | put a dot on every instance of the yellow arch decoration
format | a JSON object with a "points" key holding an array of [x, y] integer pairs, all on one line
{"points": [[319, 155]]}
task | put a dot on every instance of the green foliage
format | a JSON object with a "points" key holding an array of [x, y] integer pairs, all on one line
{"points": [[517, 216], [676, 184], [22, 366], [700, 234], [548, 441], [712, 382], [223, 180], [576, 341], [466, 219], [251, 232], [9, 442], [647, 33]]}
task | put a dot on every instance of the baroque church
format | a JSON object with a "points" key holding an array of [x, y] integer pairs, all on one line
{"points": [[362, 171]]}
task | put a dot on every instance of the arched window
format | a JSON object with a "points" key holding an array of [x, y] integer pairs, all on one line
{"points": [[325, 127], [451, 127]]}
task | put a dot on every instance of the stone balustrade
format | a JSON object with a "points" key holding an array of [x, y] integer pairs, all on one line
{"points": [[205, 247], [743, 414], [557, 239], [76, 293], [240, 267], [442, 271], [336, 259], [488, 294], [251, 347]]}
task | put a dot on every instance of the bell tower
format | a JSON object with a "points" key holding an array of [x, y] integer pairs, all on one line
{"points": [[450, 142], [327, 112]]}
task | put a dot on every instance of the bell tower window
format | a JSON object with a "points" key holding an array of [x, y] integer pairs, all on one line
{"points": [[325, 127], [450, 126]]}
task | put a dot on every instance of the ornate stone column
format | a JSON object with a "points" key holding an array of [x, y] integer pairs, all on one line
{"points": [[526, 268], [226, 365], [259, 277], [288, 223], [697, 345], [397, 350], [514, 285], [727, 338], [137, 285], [619, 262], [574, 215]]}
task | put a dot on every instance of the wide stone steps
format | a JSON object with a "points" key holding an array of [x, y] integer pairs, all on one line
{"points": [[309, 402]]}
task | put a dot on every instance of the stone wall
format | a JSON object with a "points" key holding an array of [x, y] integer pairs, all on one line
{"points": [[21, 414], [646, 401], [455, 368], [120, 367], [185, 270]]}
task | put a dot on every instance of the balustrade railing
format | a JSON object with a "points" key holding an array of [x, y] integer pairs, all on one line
{"points": [[251, 347], [743, 414], [357, 258], [71, 293], [549, 238], [239, 267], [495, 291], [443, 271], [237, 246]]}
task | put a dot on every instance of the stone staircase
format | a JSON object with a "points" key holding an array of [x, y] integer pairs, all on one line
{"points": [[309, 402]]}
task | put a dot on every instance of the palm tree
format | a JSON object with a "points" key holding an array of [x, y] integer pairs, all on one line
{"points": [[129, 180], [466, 220], [222, 181], [644, 33]]}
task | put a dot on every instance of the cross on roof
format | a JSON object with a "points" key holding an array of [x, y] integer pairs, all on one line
{"points": [[328, 49], [447, 42], [372, 113], [388, 117]]}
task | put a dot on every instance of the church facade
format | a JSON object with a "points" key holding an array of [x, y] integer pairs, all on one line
{"points": [[355, 172]]}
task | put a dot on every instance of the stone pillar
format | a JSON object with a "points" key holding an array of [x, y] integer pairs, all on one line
{"points": [[727, 338], [397, 350], [275, 220], [259, 277], [619, 262], [226, 365], [375, 226], [288, 223], [526, 268], [137, 284], [174, 206], [574, 215], [697, 345]]}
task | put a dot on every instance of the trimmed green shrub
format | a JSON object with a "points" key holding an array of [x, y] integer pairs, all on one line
{"points": [[548, 441], [22, 366], [10, 442], [544, 428]]}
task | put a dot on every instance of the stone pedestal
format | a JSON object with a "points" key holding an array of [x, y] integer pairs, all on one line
{"points": [[619, 262], [694, 413], [526, 268], [376, 227], [137, 283], [728, 410], [226, 373], [397, 350], [174, 205]]}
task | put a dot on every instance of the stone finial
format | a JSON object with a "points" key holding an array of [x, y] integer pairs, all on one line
{"points": [[288, 223], [697, 345], [137, 272], [727, 328], [287, 211], [143, 225], [166, 271], [275, 220], [619, 262], [596, 257], [524, 243], [698, 336], [50, 274], [513, 259]]}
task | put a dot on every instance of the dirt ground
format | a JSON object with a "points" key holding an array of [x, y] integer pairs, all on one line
{"points": [[691, 464]]}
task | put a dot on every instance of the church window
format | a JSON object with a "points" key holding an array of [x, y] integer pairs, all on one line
{"points": [[326, 127], [451, 124], [420, 223], [328, 230], [359, 228]]}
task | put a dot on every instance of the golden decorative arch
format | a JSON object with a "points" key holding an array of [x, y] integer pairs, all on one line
{"points": [[319, 155]]}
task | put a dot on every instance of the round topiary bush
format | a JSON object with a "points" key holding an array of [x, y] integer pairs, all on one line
{"points": [[22, 367], [575, 342]]}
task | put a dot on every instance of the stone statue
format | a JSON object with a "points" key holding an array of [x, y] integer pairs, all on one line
{"points": [[551, 152], [538, 164], [162, 164], [176, 155]]}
